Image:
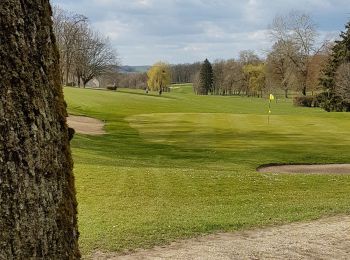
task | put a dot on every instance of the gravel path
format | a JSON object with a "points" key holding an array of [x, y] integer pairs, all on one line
{"points": [[309, 169], [327, 238], [86, 125]]}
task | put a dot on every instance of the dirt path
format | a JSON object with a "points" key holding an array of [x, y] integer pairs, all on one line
{"points": [[309, 169], [327, 238], [86, 125]]}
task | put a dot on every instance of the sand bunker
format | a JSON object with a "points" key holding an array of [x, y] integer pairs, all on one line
{"points": [[308, 169], [86, 125]]}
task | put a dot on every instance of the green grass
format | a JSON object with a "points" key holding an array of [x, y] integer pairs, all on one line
{"points": [[180, 165]]}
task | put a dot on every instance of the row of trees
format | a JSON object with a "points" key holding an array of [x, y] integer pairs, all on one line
{"points": [[133, 80], [295, 62], [184, 73], [179, 73], [296, 59], [84, 53], [245, 76]]}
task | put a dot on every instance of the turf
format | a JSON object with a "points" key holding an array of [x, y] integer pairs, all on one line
{"points": [[181, 165]]}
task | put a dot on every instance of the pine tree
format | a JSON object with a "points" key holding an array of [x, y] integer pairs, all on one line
{"points": [[37, 197], [205, 84], [340, 55]]}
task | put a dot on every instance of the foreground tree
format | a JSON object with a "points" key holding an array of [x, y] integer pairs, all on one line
{"points": [[37, 196]]}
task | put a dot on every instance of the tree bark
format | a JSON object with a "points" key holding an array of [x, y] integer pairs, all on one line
{"points": [[37, 195]]}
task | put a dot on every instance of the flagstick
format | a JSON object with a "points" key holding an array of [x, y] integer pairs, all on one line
{"points": [[268, 116]]}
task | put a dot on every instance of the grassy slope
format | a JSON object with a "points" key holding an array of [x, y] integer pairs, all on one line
{"points": [[180, 165]]}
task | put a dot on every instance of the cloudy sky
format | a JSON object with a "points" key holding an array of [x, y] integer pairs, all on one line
{"points": [[180, 31]]}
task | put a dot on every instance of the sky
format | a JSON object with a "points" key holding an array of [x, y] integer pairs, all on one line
{"points": [[184, 31]]}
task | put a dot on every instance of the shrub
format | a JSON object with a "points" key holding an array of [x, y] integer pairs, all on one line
{"points": [[114, 88], [307, 101]]}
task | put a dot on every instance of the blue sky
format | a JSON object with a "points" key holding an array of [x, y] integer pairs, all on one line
{"points": [[179, 31]]}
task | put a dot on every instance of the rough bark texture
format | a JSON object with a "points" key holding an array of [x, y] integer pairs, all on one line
{"points": [[37, 195]]}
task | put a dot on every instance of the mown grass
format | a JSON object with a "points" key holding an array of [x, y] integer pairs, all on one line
{"points": [[180, 165]]}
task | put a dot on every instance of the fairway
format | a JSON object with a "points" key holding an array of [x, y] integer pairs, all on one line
{"points": [[179, 165]]}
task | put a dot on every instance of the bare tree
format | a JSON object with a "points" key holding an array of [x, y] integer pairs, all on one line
{"points": [[316, 65], [68, 29], [94, 56], [233, 78], [134, 80], [279, 67], [248, 57], [111, 77], [37, 196], [184, 73], [84, 53], [296, 33], [219, 76]]}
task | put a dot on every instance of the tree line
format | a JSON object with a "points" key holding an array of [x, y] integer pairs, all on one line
{"points": [[320, 72], [295, 62], [178, 73]]}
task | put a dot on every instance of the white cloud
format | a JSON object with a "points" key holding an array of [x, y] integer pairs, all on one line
{"points": [[145, 31]]}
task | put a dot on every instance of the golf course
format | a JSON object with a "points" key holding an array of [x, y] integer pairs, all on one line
{"points": [[180, 165]]}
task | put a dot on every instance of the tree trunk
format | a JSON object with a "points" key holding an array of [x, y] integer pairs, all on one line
{"points": [[304, 90], [79, 80], [286, 93], [37, 196], [304, 86]]}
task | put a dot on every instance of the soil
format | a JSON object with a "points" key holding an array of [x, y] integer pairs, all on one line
{"points": [[327, 238], [309, 169], [86, 125]]}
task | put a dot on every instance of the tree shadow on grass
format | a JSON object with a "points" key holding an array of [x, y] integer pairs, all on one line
{"points": [[125, 147], [146, 95]]}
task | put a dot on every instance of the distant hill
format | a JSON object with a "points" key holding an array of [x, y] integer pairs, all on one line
{"points": [[133, 69]]}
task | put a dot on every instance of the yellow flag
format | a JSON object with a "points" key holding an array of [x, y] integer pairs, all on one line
{"points": [[272, 97]]}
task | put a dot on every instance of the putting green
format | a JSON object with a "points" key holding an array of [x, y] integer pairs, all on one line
{"points": [[237, 131]]}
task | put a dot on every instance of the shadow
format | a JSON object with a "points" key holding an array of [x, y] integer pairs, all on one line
{"points": [[145, 95], [124, 146]]}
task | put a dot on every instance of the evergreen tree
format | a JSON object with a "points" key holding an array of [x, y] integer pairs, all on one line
{"points": [[340, 55], [37, 197], [205, 83]]}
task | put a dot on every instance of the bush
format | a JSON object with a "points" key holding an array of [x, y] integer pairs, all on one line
{"points": [[307, 101], [114, 88], [333, 103]]}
